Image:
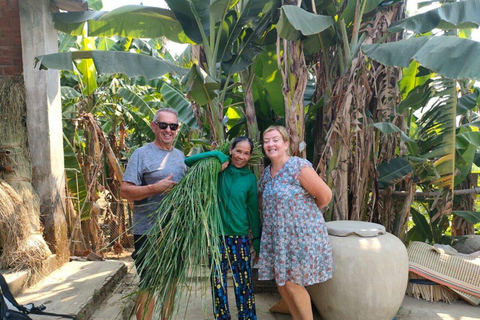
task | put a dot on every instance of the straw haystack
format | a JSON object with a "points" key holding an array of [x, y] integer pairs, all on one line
{"points": [[21, 234], [21, 248]]}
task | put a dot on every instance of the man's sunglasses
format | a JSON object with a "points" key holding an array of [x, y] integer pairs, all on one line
{"points": [[164, 125]]}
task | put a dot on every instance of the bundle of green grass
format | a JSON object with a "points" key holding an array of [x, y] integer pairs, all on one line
{"points": [[186, 238]]}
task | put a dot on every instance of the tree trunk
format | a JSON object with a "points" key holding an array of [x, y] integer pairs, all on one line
{"points": [[250, 115], [214, 108], [295, 75], [351, 148], [466, 202]]}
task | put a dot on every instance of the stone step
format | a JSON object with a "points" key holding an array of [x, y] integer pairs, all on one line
{"points": [[77, 288], [19, 280], [119, 304]]}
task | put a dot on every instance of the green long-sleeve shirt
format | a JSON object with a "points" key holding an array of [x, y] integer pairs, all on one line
{"points": [[237, 193]]}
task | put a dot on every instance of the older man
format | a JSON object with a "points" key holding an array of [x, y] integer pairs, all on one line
{"points": [[151, 172]]}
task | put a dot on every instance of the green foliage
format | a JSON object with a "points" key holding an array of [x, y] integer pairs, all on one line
{"points": [[200, 86], [426, 230], [267, 87], [316, 31], [176, 100], [95, 4], [454, 15], [110, 62], [417, 97], [135, 21], [444, 152], [295, 23], [461, 62], [472, 217], [467, 103], [393, 171], [75, 179]]}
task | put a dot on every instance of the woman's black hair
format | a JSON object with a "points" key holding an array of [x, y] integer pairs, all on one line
{"points": [[240, 139]]}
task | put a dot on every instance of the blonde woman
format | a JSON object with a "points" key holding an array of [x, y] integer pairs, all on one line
{"points": [[295, 248]]}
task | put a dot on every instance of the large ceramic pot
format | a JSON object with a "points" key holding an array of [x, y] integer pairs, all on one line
{"points": [[370, 273]]}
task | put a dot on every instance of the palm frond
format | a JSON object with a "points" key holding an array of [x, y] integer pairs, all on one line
{"points": [[436, 134]]}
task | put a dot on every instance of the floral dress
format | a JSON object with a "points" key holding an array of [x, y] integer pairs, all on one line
{"points": [[295, 245]]}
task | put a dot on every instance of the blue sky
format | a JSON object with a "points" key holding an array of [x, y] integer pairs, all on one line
{"points": [[112, 4]]}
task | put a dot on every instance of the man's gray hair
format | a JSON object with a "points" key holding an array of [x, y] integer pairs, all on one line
{"points": [[175, 112]]}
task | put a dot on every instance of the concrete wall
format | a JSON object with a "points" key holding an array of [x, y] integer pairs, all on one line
{"points": [[10, 41], [44, 121]]}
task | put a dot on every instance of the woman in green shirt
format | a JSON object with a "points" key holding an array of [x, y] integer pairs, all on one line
{"points": [[238, 203]]}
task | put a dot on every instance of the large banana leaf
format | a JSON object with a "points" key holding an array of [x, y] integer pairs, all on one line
{"points": [[200, 86], [466, 144], [467, 102], [136, 120], [110, 62], [243, 34], [248, 12], [451, 57], [393, 171], [417, 97], [296, 23], [267, 87], [388, 128], [468, 138], [75, 180], [88, 73], [466, 151], [135, 100], [422, 226], [133, 21], [436, 137], [454, 15], [194, 17], [471, 216], [316, 31], [411, 78]]}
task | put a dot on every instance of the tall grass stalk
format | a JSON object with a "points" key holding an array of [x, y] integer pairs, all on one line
{"points": [[185, 239]]}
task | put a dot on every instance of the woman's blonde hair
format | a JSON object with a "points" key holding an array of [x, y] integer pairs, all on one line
{"points": [[281, 129]]}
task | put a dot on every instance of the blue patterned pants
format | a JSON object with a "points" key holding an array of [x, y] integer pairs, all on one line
{"points": [[235, 251]]}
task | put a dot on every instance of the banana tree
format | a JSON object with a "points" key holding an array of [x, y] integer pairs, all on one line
{"points": [[227, 33], [343, 107], [294, 24], [441, 149], [119, 104]]}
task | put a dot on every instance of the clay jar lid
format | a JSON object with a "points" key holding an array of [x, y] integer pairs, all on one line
{"points": [[346, 228]]}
